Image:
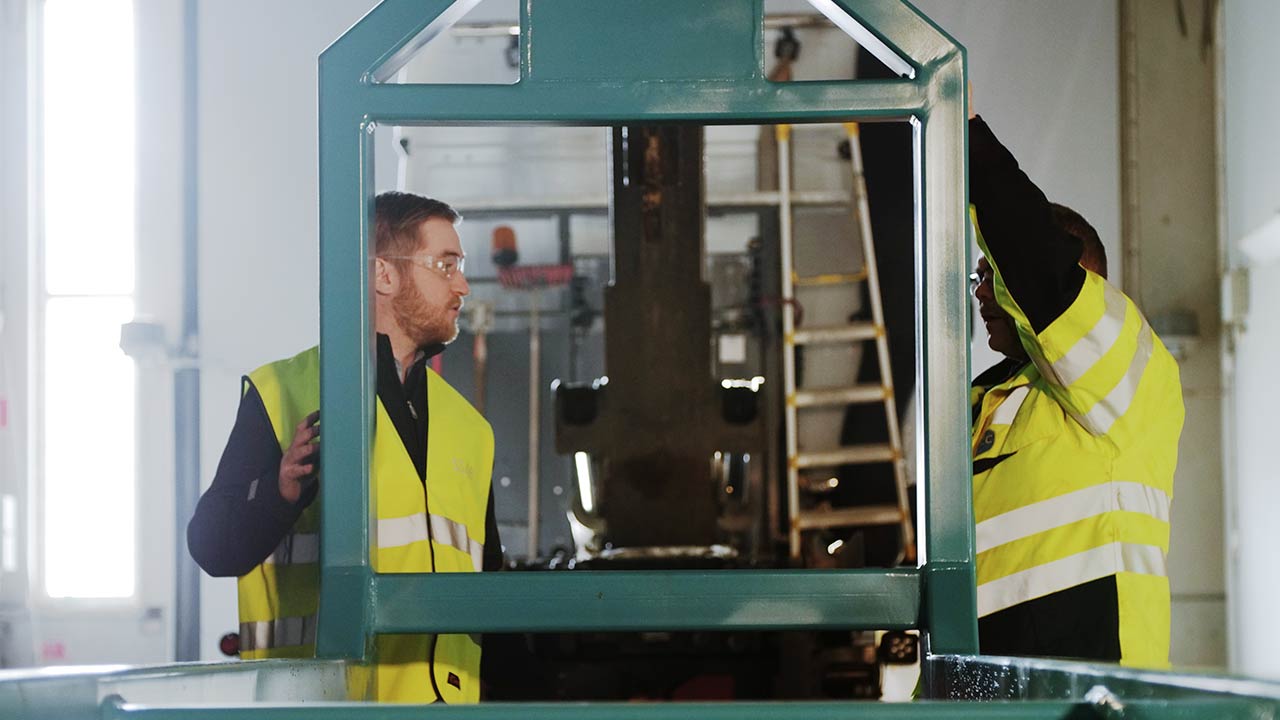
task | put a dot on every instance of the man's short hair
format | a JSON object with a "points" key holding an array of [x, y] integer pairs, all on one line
{"points": [[397, 216], [1093, 254]]}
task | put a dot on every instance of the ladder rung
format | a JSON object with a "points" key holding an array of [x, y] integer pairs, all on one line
{"points": [[828, 279], [855, 454], [839, 396], [821, 198], [835, 333], [850, 517]]}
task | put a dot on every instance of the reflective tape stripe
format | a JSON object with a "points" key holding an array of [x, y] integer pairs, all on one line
{"points": [[1071, 507], [1089, 349], [278, 633], [454, 534], [296, 549], [1103, 415], [1007, 410], [1068, 572], [401, 531]]}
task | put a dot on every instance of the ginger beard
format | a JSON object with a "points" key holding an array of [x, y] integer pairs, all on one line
{"points": [[425, 323]]}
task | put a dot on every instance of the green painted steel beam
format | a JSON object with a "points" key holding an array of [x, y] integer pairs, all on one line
{"points": [[713, 75], [604, 103], [648, 600], [949, 606], [346, 383]]}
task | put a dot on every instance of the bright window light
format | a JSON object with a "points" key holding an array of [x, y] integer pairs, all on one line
{"points": [[583, 463], [88, 450], [89, 147], [88, 162]]}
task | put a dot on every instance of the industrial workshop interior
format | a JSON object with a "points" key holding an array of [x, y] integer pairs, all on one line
{"points": [[703, 426]]}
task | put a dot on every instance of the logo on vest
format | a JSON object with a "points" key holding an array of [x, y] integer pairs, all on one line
{"points": [[462, 467], [455, 681], [986, 443]]}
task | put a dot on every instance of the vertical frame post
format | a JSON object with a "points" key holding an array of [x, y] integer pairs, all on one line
{"points": [[942, 301]]}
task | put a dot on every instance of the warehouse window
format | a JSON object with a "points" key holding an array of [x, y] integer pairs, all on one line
{"points": [[85, 290]]}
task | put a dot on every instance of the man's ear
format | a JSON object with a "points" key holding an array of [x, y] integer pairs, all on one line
{"points": [[386, 277]]}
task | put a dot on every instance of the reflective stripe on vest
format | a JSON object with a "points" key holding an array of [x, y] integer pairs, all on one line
{"points": [[1068, 572], [1082, 356], [1102, 416], [1065, 509], [402, 531]]}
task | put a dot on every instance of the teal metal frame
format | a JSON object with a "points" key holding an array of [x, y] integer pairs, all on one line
{"points": [[587, 62], [709, 69]]}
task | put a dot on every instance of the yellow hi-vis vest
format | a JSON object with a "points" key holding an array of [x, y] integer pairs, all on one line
{"points": [[1090, 429], [280, 597]]}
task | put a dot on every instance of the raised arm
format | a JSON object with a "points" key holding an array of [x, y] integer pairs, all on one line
{"points": [[1102, 362], [1036, 263]]}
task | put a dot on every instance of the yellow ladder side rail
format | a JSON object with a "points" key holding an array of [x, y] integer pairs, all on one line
{"points": [[862, 215], [783, 135]]}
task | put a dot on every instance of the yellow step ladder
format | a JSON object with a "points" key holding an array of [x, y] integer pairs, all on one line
{"points": [[800, 518]]}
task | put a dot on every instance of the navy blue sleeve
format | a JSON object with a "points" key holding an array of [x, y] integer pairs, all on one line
{"points": [[492, 543], [1038, 262], [241, 518]]}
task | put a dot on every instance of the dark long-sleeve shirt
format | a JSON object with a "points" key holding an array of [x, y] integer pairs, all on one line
{"points": [[1039, 263], [242, 517]]}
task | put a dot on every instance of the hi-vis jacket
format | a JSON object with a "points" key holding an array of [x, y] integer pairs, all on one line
{"points": [[441, 529], [1074, 454]]}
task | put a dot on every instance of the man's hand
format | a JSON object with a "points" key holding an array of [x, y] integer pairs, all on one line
{"points": [[298, 466], [972, 112]]}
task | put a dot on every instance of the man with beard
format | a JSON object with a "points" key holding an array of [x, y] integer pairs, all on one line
{"points": [[259, 520], [1075, 435]]}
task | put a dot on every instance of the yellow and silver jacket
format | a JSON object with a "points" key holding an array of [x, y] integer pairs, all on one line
{"points": [[1074, 460]]}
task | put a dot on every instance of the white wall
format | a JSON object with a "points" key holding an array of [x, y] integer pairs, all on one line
{"points": [[258, 236], [258, 207], [16, 646], [1252, 198]]}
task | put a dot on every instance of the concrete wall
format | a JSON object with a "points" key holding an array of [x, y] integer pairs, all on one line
{"points": [[1171, 226]]}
